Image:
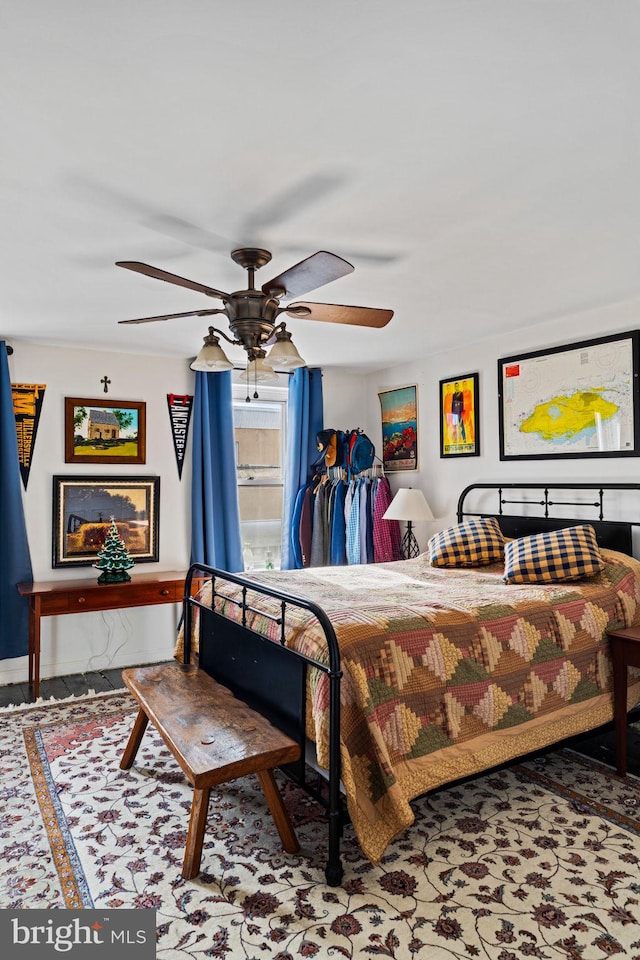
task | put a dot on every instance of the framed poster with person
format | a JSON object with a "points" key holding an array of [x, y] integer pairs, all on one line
{"points": [[459, 420]]}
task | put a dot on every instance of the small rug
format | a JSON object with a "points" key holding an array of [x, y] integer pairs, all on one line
{"points": [[538, 860]]}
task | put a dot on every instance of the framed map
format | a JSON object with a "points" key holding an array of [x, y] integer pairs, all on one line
{"points": [[579, 400]]}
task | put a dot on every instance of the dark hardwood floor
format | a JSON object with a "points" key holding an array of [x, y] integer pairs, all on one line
{"points": [[100, 681], [599, 745]]}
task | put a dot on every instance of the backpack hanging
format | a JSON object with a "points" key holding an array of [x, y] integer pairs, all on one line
{"points": [[361, 452]]}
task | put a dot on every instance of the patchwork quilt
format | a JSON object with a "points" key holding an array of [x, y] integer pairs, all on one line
{"points": [[447, 672]]}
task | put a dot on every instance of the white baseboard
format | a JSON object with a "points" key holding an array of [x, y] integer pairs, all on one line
{"points": [[99, 641]]}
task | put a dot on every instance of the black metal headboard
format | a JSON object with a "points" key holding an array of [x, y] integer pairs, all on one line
{"points": [[611, 534]]}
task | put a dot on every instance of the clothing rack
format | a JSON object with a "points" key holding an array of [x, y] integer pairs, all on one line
{"points": [[338, 518]]}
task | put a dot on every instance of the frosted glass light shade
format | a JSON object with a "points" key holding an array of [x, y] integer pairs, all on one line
{"points": [[212, 357], [283, 354], [409, 505], [258, 371]]}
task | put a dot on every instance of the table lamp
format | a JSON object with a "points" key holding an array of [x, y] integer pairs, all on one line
{"points": [[410, 506]]}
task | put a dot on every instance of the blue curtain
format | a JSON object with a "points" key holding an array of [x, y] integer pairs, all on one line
{"points": [[304, 421], [15, 560], [215, 515]]}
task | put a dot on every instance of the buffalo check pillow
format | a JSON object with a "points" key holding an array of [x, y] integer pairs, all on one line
{"points": [[474, 543], [569, 554]]}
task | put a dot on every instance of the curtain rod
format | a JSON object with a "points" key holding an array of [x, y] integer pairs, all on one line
{"points": [[281, 373]]}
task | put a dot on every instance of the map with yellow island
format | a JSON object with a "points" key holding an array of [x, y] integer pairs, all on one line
{"points": [[564, 417], [578, 401]]}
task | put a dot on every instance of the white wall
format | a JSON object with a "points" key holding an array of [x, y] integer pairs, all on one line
{"points": [[118, 638], [344, 397], [89, 641], [443, 479]]}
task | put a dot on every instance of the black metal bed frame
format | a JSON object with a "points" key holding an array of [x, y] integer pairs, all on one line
{"points": [[272, 678], [611, 534]]}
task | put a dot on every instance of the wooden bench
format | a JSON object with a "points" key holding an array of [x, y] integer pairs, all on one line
{"points": [[214, 737]]}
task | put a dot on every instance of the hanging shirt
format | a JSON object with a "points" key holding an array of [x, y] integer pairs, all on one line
{"points": [[369, 530], [365, 490], [306, 525], [353, 525], [318, 533], [386, 533], [294, 532], [338, 550]]}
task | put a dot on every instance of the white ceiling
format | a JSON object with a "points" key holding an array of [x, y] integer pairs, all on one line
{"points": [[488, 151]]}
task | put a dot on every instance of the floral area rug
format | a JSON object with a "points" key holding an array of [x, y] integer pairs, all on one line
{"points": [[539, 860]]}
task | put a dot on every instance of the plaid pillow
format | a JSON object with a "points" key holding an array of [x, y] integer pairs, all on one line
{"points": [[473, 543], [569, 554]]}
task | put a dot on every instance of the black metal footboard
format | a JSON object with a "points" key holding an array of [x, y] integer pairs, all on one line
{"points": [[268, 675]]}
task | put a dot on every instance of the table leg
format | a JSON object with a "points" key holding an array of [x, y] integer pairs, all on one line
{"points": [[31, 637], [34, 644], [620, 705]]}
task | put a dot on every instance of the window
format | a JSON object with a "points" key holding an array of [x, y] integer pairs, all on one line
{"points": [[260, 435]]}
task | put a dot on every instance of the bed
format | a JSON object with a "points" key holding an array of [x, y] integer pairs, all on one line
{"points": [[398, 678]]}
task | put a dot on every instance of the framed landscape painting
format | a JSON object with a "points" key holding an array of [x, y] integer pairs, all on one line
{"points": [[104, 431], [83, 508], [578, 400], [459, 418], [399, 410]]}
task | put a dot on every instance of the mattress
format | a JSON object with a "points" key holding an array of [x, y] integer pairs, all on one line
{"points": [[446, 672]]}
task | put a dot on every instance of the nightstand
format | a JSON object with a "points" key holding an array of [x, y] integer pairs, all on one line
{"points": [[625, 652]]}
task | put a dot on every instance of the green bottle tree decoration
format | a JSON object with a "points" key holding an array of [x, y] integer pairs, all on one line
{"points": [[113, 559]]}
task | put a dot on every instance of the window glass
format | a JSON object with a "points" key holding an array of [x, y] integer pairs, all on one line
{"points": [[260, 435]]}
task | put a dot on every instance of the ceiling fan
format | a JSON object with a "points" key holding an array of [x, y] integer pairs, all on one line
{"points": [[253, 315]]}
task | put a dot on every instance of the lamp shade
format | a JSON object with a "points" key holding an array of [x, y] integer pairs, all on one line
{"points": [[409, 505], [283, 354], [212, 357], [258, 371]]}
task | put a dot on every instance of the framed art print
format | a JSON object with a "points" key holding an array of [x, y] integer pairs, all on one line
{"points": [[459, 417], [399, 410], [83, 508], [578, 400], [104, 431]]}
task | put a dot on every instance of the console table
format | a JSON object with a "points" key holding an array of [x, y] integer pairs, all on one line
{"points": [[59, 597]]}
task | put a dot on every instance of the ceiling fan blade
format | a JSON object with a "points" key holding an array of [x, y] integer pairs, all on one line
{"points": [[292, 200], [315, 271], [187, 232], [356, 256], [173, 316], [158, 274], [148, 215], [337, 313]]}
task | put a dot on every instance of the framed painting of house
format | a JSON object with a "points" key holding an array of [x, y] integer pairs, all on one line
{"points": [[104, 431], [83, 508]]}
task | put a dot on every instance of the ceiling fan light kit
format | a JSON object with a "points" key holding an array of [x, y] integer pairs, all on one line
{"points": [[259, 370], [253, 315], [283, 354], [212, 357]]}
